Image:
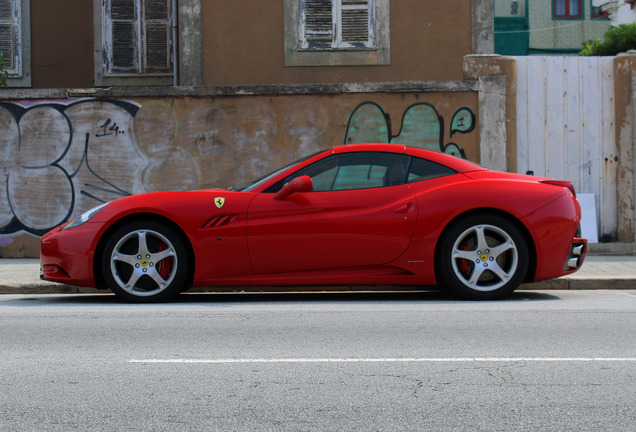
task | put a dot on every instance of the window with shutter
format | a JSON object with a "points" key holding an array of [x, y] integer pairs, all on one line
{"points": [[337, 24], [136, 42], [337, 32], [138, 36]]}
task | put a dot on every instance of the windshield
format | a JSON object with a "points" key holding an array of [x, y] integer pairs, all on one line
{"points": [[259, 181]]}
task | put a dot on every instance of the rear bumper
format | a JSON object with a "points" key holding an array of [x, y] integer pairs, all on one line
{"points": [[559, 249], [578, 251]]}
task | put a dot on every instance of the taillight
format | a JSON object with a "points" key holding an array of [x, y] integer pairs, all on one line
{"points": [[563, 183]]}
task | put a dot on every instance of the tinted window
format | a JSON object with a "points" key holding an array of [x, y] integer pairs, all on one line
{"points": [[422, 169], [353, 171]]}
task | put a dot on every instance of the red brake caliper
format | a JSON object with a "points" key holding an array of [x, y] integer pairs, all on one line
{"points": [[464, 265], [165, 265]]}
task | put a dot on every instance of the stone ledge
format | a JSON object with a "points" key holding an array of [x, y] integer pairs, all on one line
{"points": [[251, 90], [611, 249]]}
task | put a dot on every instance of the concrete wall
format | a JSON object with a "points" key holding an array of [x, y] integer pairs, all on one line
{"points": [[625, 98], [62, 153]]}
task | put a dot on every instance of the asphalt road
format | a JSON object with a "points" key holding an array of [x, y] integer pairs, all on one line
{"points": [[549, 361]]}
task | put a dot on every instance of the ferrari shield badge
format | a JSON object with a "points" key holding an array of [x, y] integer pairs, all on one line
{"points": [[219, 201]]}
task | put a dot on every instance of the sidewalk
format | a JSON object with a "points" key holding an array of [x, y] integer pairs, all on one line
{"points": [[22, 276]]}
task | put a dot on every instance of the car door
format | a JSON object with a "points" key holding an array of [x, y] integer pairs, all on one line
{"points": [[357, 215]]}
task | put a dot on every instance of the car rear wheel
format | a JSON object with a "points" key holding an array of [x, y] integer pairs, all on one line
{"points": [[145, 261], [483, 257]]}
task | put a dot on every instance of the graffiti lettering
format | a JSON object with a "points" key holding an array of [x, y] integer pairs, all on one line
{"points": [[422, 127], [106, 130]]}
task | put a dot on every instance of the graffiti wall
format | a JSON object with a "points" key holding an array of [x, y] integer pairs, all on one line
{"points": [[59, 158]]}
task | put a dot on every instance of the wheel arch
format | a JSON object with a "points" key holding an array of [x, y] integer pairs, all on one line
{"points": [[532, 250], [99, 249]]}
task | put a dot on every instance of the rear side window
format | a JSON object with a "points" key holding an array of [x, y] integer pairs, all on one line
{"points": [[422, 169]]}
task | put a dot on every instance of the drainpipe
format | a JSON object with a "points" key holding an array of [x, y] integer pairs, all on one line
{"points": [[175, 44]]}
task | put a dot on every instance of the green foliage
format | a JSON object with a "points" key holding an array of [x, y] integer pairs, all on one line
{"points": [[4, 75], [616, 40]]}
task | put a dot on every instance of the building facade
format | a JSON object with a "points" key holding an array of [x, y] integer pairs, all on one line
{"points": [[547, 27], [106, 43], [618, 11]]}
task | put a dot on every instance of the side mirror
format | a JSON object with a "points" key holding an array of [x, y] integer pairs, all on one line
{"points": [[297, 185]]}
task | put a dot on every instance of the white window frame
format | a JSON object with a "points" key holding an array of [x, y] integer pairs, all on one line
{"points": [[105, 73], [20, 73], [299, 51]]}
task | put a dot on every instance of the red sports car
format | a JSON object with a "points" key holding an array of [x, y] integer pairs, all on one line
{"points": [[356, 215]]}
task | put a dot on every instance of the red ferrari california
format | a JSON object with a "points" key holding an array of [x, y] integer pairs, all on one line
{"points": [[356, 215]]}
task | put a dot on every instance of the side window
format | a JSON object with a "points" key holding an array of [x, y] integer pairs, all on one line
{"points": [[353, 171], [598, 12], [135, 42], [422, 169], [15, 41], [567, 9]]}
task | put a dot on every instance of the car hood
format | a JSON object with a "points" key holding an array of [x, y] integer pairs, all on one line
{"points": [[174, 202]]}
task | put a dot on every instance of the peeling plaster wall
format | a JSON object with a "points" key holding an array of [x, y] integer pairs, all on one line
{"points": [[498, 78], [483, 25], [625, 94]]}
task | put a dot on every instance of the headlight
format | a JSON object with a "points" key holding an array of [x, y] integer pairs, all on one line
{"points": [[83, 218]]}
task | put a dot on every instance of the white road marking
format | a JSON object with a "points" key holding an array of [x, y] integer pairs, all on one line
{"points": [[628, 294], [394, 360]]}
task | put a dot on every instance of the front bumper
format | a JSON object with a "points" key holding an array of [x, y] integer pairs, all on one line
{"points": [[67, 256]]}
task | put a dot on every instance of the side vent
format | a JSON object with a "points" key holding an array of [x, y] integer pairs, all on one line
{"points": [[220, 220]]}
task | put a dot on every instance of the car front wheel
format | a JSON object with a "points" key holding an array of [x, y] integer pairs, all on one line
{"points": [[483, 257], [145, 261]]}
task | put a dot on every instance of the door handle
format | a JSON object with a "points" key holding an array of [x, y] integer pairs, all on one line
{"points": [[404, 208]]}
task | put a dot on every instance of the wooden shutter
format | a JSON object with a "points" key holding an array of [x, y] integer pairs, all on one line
{"points": [[319, 22], [124, 35], [7, 32], [140, 36], [355, 22], [157, 35]]}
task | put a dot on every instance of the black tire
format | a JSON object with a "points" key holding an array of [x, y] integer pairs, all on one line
{"points": [[145, 261], [482, 257]]}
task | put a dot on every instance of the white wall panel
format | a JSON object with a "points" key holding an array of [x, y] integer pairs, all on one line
{"points": [[565, 125]]}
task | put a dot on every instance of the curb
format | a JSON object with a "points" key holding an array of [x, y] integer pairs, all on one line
{"points": [[564, 283], [599, 272]]}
